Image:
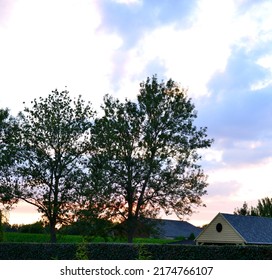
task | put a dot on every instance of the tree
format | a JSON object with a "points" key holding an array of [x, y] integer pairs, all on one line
{"points": [[263, 208], [4, 115], [51, 145], [146, 154], [8, 128], [244, 210]]}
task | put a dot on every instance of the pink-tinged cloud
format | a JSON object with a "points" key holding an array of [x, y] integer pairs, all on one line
{"points": [[5, 10], [23, 213]]}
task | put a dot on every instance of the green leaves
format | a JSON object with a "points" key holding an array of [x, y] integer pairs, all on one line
{"points": [[263, 208], [48, 170], [150, 150], [137, 158], [8, 138]]}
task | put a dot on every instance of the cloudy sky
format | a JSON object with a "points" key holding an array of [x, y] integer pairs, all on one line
{"points": [[220, 50]]}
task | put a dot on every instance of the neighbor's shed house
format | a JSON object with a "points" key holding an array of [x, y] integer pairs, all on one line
{"points": [[236, 229], [171, 229]]}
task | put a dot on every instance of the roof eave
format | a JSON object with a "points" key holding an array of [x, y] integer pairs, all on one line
{"points": [[258, 243]]}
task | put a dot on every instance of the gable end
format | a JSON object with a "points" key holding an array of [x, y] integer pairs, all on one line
{"points": [[219, 231]]}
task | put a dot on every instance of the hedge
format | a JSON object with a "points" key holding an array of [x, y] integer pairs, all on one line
{"points": [[110, 251]]}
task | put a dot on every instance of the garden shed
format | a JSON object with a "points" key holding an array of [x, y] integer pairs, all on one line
{"points": [[236, 229]]}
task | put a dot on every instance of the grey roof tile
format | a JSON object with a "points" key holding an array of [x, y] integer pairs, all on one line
{"points": [[254, 229], [172, 228]]}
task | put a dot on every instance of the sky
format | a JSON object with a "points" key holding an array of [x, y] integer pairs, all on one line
{"points": [[221, 51]]}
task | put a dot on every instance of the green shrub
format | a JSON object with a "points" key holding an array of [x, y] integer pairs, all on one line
{"points": [[143, 253], [119, 251], [191, 237], [26, 237], [179, 238], [82, 252], [40, 238], [37, 227]]}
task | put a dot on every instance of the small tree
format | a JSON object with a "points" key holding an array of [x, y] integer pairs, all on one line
{"points": [[263, 208], [49, 170], [244, 210], [146, 154]]}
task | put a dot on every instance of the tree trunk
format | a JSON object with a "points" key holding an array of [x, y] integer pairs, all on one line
{"points": [[1, 227], [131, 228], [53, 233]]}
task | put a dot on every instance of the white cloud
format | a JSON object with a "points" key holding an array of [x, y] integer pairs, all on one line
{"points": [[212, 155], [254, 31], [252, 178], [128, 2], [253, 27], [55, 44], [261, 84], [190, 56], [265, 62]]}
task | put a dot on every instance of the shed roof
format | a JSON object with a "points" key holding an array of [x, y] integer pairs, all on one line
{"points": [[173, 228], [253, 229]]}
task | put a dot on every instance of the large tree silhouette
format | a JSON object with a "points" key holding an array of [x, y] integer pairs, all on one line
{"points": [[49, 163], [146, 157]]}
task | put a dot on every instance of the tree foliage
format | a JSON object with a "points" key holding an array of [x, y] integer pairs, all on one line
{"points": [[263, 208], [4, 114], [8, 129], [49, 171], [146, 154], [138, 158], [245, 210]]}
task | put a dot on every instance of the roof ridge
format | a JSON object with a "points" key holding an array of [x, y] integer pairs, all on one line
{"points": [[246, 216], [168, 220]]}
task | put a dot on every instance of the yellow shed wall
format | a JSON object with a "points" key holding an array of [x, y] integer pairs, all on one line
{"points": [[227, 235]]}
